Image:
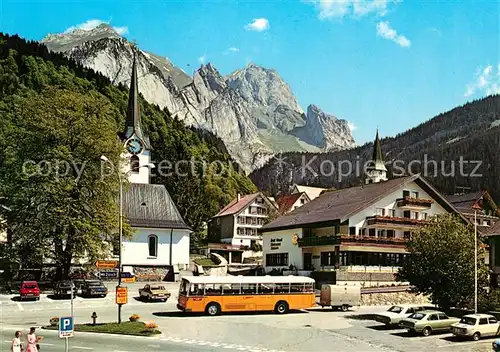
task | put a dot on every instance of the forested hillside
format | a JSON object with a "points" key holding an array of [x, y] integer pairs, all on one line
{"points": [[470, 132], [32, 76]]}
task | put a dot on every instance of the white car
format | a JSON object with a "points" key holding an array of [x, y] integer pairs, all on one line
{"points": [[476, 326], [395, 314]]}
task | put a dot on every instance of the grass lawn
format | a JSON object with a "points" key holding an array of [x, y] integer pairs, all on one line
{"points": [[205, 262], [125, 328]]}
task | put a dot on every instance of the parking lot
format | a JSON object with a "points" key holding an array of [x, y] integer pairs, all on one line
{"points": [[314, 329]]}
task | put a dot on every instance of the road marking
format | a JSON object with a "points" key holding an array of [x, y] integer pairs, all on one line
{"points": [[154, 346], [477, 343], [46, 344], [82, 348], [21, 308]]}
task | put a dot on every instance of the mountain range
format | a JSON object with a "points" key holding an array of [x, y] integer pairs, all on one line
{"points": [[252, 110], [455, 149]]}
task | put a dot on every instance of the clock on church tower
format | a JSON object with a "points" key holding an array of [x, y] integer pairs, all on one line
{"points": [[134, 146]]}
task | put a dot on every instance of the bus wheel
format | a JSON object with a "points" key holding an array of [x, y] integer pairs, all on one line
{"points": [[281, 307], [213, 309]]}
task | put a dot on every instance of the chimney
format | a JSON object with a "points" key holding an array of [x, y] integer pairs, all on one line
{"points": [[238, 197]]}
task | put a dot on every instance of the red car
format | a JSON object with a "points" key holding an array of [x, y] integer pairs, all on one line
{"points": [[29, 289]]}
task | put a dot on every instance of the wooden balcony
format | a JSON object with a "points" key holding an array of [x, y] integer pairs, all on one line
{"points": [[393, 221], [349, 239], [318, 241], [414, 203]]}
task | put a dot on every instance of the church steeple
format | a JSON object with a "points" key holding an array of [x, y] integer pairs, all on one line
{"points": [[376, 170], [133, 120]]}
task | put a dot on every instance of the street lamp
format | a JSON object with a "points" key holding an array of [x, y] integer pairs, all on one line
{"points": [[475, 207], [120, 179]]}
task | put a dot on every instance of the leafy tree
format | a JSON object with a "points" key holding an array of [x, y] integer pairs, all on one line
{"points": [[63, 209], [441, 262]]}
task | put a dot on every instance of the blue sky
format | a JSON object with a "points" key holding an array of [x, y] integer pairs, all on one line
{"points": [[382, 63]]}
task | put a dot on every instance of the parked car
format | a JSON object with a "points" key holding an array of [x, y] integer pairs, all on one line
{"points": [[154, 293], [94, 288], [476, 326], [64, 289], [29, 290], [340, 296], [395, 314], [428, 321]]}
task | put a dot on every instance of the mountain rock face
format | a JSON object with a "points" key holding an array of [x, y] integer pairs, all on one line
{"points": [[458, 148], [324, 130], [252, 110]]}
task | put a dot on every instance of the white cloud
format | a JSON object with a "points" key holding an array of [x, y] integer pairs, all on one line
{"points": [[258, 25], [339, 8], [202, 58], [351, 126], [384, 30], [91, 24], [485, 81], [231, 50]]}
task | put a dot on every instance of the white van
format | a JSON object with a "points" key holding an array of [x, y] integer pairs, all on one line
{"points": [[340, 296]]}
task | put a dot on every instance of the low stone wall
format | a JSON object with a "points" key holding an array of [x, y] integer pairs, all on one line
{"points": [[392, 298], [365, 276]]}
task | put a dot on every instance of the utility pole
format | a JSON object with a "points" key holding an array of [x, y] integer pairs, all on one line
{"points": [[475, 259]]}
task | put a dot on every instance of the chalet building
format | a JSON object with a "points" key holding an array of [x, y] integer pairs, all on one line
{"points": [[160, 236], [239, 221], [312, 192], [364, 226], [292, 201], [491, 236], [476, 205]]}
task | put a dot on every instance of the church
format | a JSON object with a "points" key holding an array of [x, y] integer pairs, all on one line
{"points": [[160, 237]]}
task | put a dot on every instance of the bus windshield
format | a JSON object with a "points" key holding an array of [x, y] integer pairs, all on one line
{"points": [[183, 290]]}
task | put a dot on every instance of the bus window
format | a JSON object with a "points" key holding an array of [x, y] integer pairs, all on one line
{"points": [[213, 289], [282, 288], [235, 289], [309, 287], [248, 289], [196, 290], [294, 288], [266, 288]]}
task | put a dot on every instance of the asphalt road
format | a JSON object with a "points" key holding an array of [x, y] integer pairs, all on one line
{"points": [[309, 330]]}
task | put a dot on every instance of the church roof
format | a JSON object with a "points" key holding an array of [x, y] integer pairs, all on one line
{"points": [[133, 119], [151, 206]]}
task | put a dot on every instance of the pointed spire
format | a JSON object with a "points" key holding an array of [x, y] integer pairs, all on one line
{"points": [[377, 151], [376, 170], [133, 121]]}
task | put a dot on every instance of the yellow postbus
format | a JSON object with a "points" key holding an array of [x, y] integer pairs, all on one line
{"points": [[216, 294]]}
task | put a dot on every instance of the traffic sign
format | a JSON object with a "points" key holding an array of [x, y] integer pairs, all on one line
{"points": [[106, 264], [121, 295], [66, 327]]}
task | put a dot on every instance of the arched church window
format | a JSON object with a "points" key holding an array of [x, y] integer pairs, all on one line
{"points": [[153, 245], [134, 164]]}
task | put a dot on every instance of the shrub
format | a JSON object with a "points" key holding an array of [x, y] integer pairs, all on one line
{"points": [[54, 321], [134, 317], [151, 326]]}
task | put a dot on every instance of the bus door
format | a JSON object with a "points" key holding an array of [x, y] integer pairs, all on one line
{"points": [[265, 299], [248, 297]]}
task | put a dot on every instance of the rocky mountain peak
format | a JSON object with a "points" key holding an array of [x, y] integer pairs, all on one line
{"points": [[253, 110]]}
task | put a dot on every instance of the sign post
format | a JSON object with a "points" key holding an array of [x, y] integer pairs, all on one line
{"points": [[121, 298], [66, 329]]}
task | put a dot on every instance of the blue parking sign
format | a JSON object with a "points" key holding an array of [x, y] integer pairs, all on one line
{"points": [[66, 327]]}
